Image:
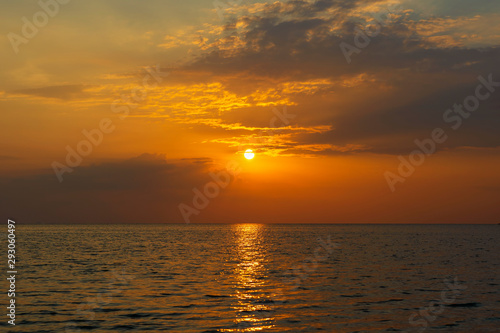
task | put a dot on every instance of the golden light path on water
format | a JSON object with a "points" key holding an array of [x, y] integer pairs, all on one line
{"points": [[253, 313]]}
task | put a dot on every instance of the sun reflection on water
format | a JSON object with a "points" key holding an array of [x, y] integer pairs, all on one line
{"points": [[253, 312]]}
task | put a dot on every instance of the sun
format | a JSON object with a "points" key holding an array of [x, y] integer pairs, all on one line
{"points": [[249, 154]]}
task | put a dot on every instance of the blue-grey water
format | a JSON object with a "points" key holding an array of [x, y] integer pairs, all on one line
{"points": [[252, 277]]}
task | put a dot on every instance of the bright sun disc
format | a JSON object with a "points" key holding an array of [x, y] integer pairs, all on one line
{"points": [[249, 154]]}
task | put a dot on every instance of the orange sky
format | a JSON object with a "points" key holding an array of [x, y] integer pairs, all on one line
{"points": [[155, 97]]}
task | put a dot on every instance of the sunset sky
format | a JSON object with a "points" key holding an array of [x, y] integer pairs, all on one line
{"points": [[201, 85]]}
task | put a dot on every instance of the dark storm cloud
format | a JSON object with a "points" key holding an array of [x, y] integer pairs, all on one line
{"points": [[147, 188], [293, 41]]}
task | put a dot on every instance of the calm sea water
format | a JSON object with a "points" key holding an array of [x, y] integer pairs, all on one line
{"points": [[269, 278]]}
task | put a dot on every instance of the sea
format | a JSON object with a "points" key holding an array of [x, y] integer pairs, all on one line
{"points": [[255, 278]]}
